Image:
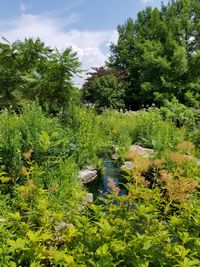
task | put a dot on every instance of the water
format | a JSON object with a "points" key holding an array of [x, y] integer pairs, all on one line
{"points": [[100, 187]]}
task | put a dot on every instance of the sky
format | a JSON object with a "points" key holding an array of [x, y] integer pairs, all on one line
{"points": [[88, 26]]}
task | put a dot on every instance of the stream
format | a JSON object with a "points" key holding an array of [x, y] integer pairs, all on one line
{"points": [[100, 187]]}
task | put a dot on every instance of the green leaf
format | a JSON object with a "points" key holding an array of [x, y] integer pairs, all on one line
{"points": [[19, 244], [59, 256], [105, 226], [103, 250], [35, 264], [147, 245]]}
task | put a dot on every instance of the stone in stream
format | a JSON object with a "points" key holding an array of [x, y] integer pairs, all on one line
{"points": [[137, 151], [127, 165], [87, 175]]}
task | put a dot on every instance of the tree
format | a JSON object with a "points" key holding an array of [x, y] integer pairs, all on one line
{"points": [[32, 71], [104, 88], [159, 54]]}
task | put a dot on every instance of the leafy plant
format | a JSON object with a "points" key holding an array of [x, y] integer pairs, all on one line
{"points": [[158, 55]]}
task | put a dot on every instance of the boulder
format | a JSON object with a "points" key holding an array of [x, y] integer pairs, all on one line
{"points": [[136, 150], [87, 175], [128, 165], [89, 198], [141, 151]]}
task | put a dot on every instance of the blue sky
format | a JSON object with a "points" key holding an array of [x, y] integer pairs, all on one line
{"points": [[88, 26]]}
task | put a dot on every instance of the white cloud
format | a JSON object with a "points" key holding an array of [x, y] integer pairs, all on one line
{"points": [[52, 31]]}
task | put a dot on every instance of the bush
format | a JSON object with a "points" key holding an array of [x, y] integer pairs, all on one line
{"points": [[105, 89], [90, 138], [10, 142], [153, 132], [153, 225], [179, 114], [183, 117], [119, 128]]}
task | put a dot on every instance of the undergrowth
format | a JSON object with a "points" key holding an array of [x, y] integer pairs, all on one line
{"points": [[43, 217]]}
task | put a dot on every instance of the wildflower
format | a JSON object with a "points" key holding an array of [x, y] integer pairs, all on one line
{"points": [[30, 183], [23, 171], [186, 146], [179, 159], [158, 163], [143, 181], [115, 189], [165, 176], [27, 155], [54, 187], [179, 190]]}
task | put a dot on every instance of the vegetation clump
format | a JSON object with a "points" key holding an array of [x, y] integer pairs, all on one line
{"points": [[47, 135]]}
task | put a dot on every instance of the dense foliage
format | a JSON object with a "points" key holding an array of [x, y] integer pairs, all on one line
{"points": [[30, 70], [104, 88], [46, 137], [42, 216], [158, 56]]}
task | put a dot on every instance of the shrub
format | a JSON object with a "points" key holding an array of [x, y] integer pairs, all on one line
{"points": [[179, 114], [10, 142], [105, 89], [153, 132], [119, 128], [90, 138]]}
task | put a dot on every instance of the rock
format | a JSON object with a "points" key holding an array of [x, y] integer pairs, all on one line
{"points": [[63, 225], [135, 150], [87, 175], [89, 198], [115, 156], [196, 160], [141, 151], [128, 165]]}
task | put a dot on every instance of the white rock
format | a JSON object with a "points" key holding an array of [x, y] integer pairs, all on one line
{"points": [[89, 198], [128, 165], [87, 175], [141, 151]]}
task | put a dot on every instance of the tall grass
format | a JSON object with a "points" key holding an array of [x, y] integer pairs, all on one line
{"points": [[91, 138], [119, 128], [154, 132]]}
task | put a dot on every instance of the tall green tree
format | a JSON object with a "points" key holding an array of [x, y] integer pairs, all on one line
{"points": [[30, 70], [159, 54]]}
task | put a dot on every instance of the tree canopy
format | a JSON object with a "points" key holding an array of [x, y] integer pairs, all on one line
{"points": [[30, 70], [158, 55]]}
